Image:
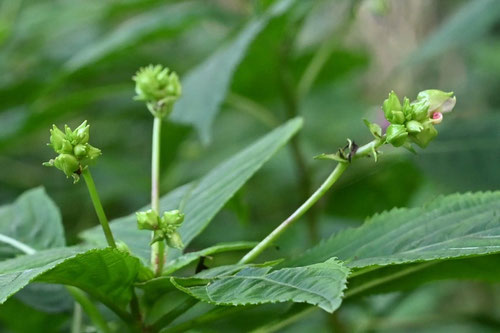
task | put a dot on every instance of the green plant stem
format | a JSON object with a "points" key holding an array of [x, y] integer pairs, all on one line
{"points": [[332, 178], [276, 233], [76, 321], [90, 309], [94, 196], [157, 248]]}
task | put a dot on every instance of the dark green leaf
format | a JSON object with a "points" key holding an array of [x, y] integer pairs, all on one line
{"points": [[34, 220], [320, 284], [453, 226]]}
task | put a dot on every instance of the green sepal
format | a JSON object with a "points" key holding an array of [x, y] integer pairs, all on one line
{"points": [[375, 129], [396, 135], [67, 163], [437, 100], [174, 240], [420, 110], [428, 133], [334, 157], [123, 247], [82, 133], [414, 126], [80, 150], [407, 145]]}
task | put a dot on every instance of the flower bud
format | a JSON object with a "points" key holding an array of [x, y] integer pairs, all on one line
{"points": [[414, 126], [391, 104], [147, 220], [174, 240], [396, 135], [173, 218], [82, 133], [57, 138], [158, 87], [67, 163], [121, 246], [426, 135], [80, 150]]}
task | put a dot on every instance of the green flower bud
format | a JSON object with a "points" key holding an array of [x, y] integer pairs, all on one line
{"points": [[93, 152], [420, 110], [173, 218], [67, 163], [396, 135], [147, 220], [80, 150], [57, 138], [75, 154], [391, 104], [158, 87], [82, 133], [414, 126], [121, 246], [426, 135], [398, 117], [174, 240]]}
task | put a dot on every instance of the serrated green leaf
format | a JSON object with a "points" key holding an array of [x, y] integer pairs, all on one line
{"points": [[33, 219], [409, 276], [188, 258], [320, 284], [453, 226], [205, 87], [202, 199], [106, 274]]}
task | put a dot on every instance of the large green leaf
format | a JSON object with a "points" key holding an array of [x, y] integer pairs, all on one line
{"points": [[320, 284], [409, 276], [202, 199], [188, 258], [453, 226], [205, 86], [32, 219], [106, 274]]}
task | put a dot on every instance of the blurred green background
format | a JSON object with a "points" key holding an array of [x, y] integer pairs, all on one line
{"points": [[330, 61]]}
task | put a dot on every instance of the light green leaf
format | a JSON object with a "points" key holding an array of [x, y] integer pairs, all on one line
{"points": [[453, 226], [202, 199], [33, 219], [205, 86], [188, 258], [106, 274], [320, 284]]}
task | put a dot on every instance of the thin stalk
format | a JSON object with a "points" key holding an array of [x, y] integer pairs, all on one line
{"points": [[90, 309], [327, 184], [76, 322], [157, 248], [276, 233], [94, 196]]}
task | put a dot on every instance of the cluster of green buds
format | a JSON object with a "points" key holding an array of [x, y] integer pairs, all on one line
{"points": [[158, 87], [75, 153], [414, 121], [165, 226]]}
